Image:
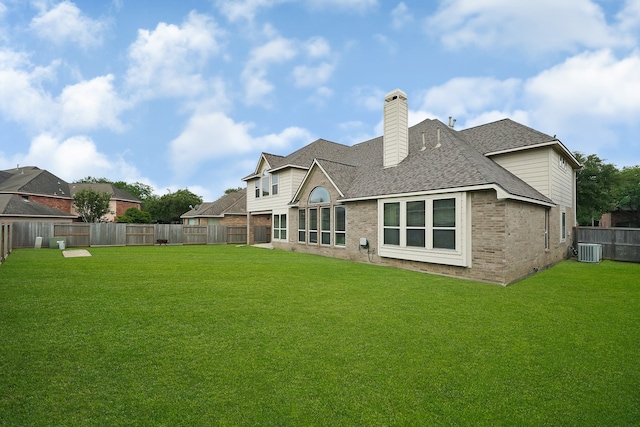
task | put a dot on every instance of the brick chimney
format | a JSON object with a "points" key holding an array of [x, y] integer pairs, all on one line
{"points": [[395, 140]]}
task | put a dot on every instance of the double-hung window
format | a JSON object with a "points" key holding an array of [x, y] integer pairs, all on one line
{"points": [[313, 225], [340, 226], [280, 227], [257, 185], [416, 223], [274, 184], [325, 225], [444, 224], [302, 225], [392, 223], [265, 183]]}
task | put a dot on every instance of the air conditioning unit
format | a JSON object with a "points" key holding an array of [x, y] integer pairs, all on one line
{"points": [[589, 252]]}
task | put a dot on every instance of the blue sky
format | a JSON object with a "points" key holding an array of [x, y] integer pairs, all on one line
{"points": [[187, 94]]}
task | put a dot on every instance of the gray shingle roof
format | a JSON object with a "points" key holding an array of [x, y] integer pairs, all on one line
{"points": [[32, 180], [455, 160], [13, 205], [503, 135], [234, 203], [116, 193]]}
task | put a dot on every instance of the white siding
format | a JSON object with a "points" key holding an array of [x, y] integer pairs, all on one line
{"points": [[531, 166], [561, 181], [288, 182]]}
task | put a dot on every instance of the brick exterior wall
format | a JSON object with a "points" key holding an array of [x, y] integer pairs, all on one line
{"points": [[234, 220], [256, 221], [507, 237], [62, 204], [122, 206]]}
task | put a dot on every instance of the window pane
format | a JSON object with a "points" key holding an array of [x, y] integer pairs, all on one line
{"points": [[257, 184], [313, 237], [392, 215], [319, 195], [265, 185], [325, 214], [391, 236], [326, 238], [283, 221], [274, 184], [302, 220], [313, 219], [415, 238], [340, 239], [444, 239], [340, 219], [415, 214], [444, 213], [283, 234], [276, 233], [301, 236]]}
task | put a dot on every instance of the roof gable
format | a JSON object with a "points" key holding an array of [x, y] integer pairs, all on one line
{"points": [[234, 203]]}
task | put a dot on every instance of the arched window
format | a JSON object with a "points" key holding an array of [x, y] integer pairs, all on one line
{"points": [[319, 195]]}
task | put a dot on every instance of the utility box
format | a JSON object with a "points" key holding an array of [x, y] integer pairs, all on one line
{"points": [[53, 241]]}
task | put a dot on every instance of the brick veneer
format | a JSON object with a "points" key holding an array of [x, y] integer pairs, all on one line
{"points": [[507, 237], [63, 204]]}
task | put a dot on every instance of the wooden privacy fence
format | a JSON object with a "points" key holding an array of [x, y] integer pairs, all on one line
{"points": [[79, 234], [5, 240], [618, 244]]}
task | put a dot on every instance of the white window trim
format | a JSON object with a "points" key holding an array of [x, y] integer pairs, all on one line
{"points": [[461, 256], [563, 229], [286, 228], [339, 232]]}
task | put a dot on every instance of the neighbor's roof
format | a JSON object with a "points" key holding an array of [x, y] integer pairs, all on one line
{"points": [[116, 193], [13, 205], [31, 180], [234, 203]]}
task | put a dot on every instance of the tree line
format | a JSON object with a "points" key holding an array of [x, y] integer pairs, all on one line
{"points": [[602, 187], [92, 205]]}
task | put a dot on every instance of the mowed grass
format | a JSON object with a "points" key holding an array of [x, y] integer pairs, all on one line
{"points": [[226, 335]]}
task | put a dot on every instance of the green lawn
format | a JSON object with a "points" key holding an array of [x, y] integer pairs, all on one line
{"points": [[226, 335]]}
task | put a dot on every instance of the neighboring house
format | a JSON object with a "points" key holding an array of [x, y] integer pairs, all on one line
{"points": [[230, 210], [493, 203], [624, 216], [29, 193], [121, 200]]}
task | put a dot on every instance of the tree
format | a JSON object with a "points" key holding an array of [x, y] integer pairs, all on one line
{"points": [[168, 208], [91, 205], [232, 190], [135, 216], [628, 194], [141, 191], [596, 183]]}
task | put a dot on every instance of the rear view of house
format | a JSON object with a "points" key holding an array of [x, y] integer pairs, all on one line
{"points": [[493, 203]]}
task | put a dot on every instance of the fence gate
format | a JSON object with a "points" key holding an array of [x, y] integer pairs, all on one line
{"points": [[262, 234]]}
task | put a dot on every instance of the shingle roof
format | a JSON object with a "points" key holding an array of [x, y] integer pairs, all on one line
{"points": [[32, 180], [116, 193], [13, 205], [504, 135], [234, 203], [450, 162]]}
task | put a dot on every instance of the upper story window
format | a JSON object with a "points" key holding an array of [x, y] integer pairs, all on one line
{"points": [[562, 163], [274, 184], [257, 185], [265, 183], [319, 195]]}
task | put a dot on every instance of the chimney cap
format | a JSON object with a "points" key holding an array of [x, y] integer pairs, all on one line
{"points": [[396, 93]]}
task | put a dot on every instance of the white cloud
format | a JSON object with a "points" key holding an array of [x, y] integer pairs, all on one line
{"points": [[70, 159], [400, 16], [256, 85], [359, 6], [65, 23], [213, 135], [306, 76], [466, 96], [236, 10], [317, 47], [629, 16], [167, 60], [86, 105], [533, 27], [91, 104], [369, 98], [22, 98]]}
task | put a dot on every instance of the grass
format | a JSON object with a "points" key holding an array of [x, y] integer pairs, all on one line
{"points": [[225, 335]]}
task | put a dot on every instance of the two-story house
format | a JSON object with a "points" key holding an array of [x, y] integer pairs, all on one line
{"points": [[493, 203]]}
